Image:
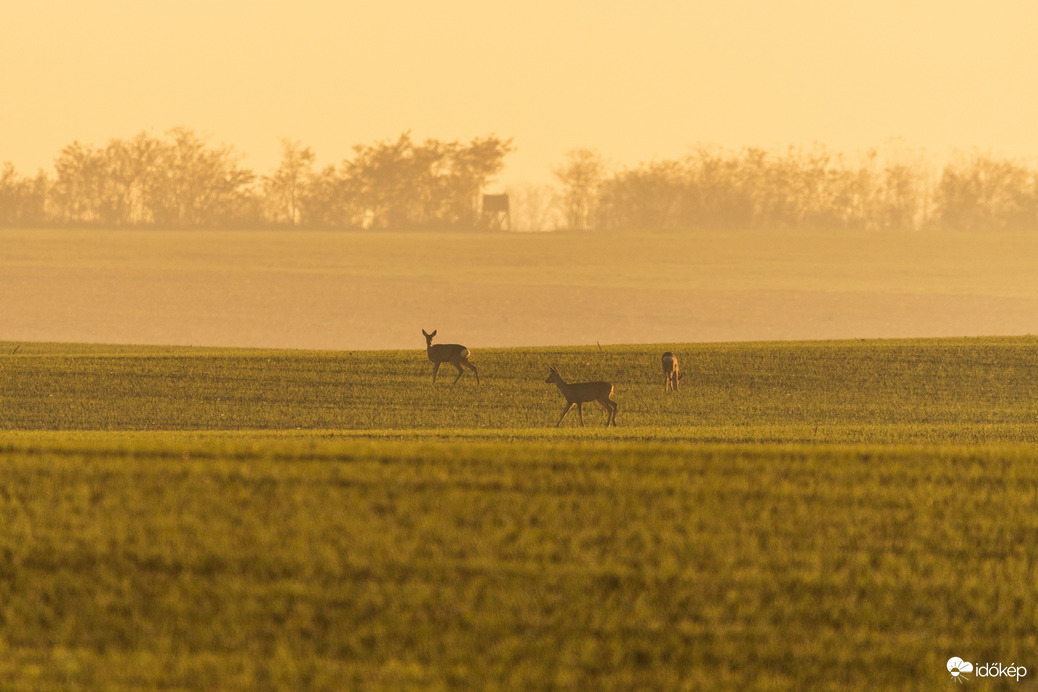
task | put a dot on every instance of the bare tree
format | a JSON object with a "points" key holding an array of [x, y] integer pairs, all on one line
{"points": [[79, 177], [285, 190], [982, 192], [22, 200], [580, 178], [533, 207], [193, 184]]}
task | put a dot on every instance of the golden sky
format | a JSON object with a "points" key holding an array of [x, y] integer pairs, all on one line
{"points": [[635, 80]]}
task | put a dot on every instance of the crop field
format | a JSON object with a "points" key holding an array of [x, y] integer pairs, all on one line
{"points": [[341, 291], [801, 515]]}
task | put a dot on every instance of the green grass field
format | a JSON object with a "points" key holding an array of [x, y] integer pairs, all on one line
{"points": [[817, 515]]}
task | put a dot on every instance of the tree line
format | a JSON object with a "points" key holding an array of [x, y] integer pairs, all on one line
{"points": [[815, 188], [180, 180]]}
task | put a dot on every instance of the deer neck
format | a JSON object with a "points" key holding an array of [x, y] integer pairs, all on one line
{"points": [[565, 388]]}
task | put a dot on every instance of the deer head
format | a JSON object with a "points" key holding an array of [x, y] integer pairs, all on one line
{"points": [[553, 375]]}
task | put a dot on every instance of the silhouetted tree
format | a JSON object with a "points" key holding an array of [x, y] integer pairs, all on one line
{"points": [[469, 170], [329, 200], [129, 167], [982, 193], [284, 192], [533, 207], [22, 200], [380, 175], [195, 185], [755, 188], [580, 178], [181, 180], [80, 178], [402, 184], [654, 195]]}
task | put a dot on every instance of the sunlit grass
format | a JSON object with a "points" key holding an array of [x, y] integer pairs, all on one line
{"points": [[838, 515], [301, 560], [967, 389]]}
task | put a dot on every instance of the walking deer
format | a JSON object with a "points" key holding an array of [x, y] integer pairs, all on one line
{"points": [[579, 393], [671, 372], [455, 354]]}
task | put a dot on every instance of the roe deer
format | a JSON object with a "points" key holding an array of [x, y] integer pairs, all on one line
{"points": [[579, 393], [455, 354], [671, 371]]}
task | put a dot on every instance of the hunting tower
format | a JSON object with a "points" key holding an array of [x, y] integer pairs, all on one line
{"points": [[496, 216]]}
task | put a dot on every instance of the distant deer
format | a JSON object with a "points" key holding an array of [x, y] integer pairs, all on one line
{"points": [[671, 372], [579, 393], [455, 354]]}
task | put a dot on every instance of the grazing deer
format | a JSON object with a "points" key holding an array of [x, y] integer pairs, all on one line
{"points": [[455, 354], [579, 393], [671, 372]]}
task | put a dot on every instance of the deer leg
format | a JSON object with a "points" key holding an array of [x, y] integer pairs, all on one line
{"points": [[471, 367], [611, 405], [569, 407], [436, 367], [460, 372], [580, 412]]}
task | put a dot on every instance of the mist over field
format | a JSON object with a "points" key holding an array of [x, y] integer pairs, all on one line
{"points": [[357, 290]]}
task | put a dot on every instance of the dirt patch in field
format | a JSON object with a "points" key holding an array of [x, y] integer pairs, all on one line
{"points": [[326, 311]]}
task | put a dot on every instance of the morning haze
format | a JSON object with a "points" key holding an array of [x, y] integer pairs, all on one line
{"points": [[377, 290], [634, 80], [844, 166]]}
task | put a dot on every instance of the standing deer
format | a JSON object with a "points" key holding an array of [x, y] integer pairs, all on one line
{"points": [[455, 354], [671, 372], [579, 393]]}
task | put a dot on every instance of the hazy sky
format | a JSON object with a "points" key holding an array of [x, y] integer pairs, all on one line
{"points": [[636, 80]]}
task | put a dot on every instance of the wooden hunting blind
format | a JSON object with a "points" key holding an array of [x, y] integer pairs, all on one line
{"points": [[496, 214]]}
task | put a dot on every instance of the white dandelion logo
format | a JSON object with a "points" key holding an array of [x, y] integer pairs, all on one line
{"points": [[957, 667]]}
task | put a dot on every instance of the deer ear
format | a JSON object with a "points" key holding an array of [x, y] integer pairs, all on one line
{"points": [[425, 333], [434, 333]]}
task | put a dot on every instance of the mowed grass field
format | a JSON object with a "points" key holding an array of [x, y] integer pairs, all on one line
{"points": [[815, 515]]}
